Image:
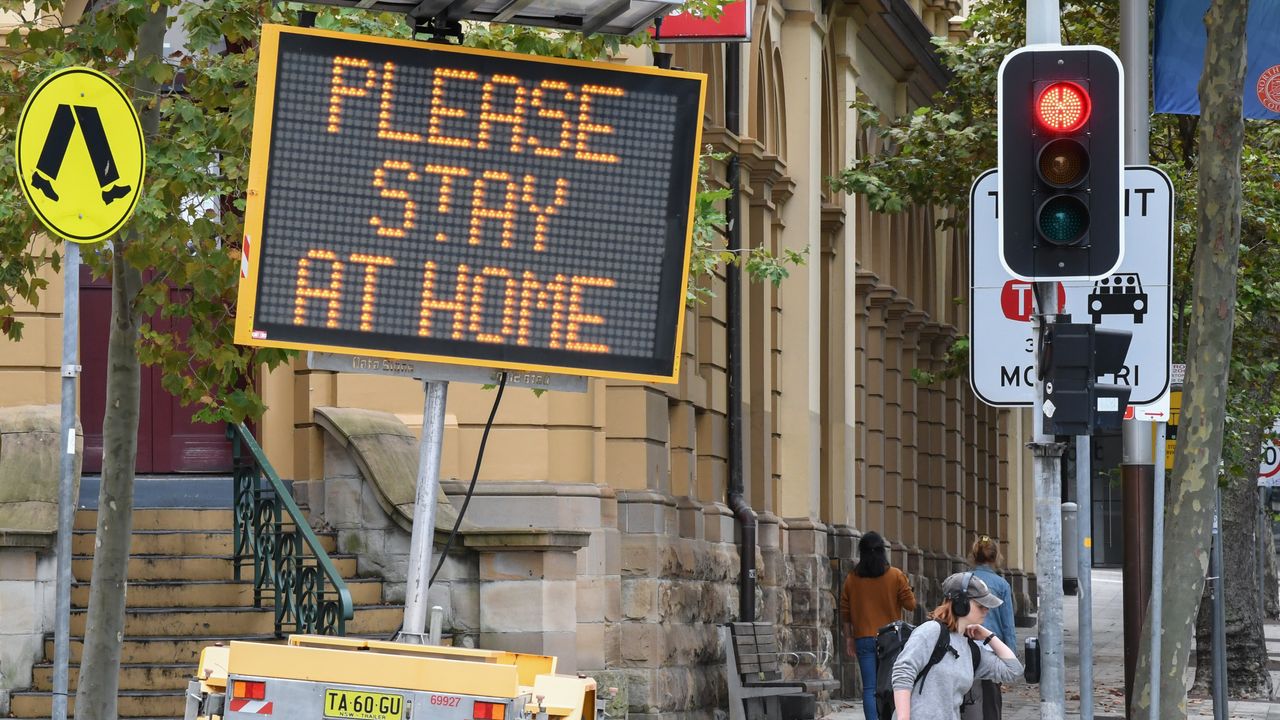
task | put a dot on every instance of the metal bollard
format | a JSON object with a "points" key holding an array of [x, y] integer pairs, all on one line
{"points": [[1070, 548], [437, 623]]}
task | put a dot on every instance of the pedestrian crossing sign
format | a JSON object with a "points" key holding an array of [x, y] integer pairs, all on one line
{"points": [[80, 154]]}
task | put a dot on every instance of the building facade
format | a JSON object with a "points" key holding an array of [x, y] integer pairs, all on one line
{"points": [[610, 541]]}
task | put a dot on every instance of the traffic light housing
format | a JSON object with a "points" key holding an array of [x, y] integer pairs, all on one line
{"points": [[1061, 150], [1109, 400], [1074, 356]]}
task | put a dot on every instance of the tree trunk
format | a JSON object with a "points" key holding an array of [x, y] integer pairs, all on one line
{"points": [[104, 629], [1188, 514], [1247, 675]]}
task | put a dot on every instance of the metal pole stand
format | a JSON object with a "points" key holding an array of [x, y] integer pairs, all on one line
{"points": [[418, 575], [66, 488]]}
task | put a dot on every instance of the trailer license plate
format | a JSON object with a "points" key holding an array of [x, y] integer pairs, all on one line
{"points": [[357, 705]]}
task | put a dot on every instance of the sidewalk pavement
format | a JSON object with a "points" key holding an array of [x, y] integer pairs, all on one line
{"points": [[1022, 699]]}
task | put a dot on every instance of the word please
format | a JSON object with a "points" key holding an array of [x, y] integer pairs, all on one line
{"points": [[563, 112], [556, 304]]}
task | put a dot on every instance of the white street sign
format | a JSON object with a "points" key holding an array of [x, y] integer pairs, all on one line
{"points": [[1136, 298], [1269, 465]]}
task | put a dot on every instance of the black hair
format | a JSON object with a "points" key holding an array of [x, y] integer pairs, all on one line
{"points": [[873, 556]]}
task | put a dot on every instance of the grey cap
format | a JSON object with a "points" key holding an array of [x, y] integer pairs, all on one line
{"points": [[977, 590]]}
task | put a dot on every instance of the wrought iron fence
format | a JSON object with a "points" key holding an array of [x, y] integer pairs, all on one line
{"points": [[290, 567]]}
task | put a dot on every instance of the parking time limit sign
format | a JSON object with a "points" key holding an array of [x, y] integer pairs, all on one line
{"points": [[1135, 298]]}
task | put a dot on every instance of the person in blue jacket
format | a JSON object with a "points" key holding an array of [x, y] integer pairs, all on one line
{"points": [[984, 701]]}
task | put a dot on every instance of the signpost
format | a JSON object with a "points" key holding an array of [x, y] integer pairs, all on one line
{"points": [[80, 157], [431, 202], [1136, 298], [1269, 464], [412, 204]]}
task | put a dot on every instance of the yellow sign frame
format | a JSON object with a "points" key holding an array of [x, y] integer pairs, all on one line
{"points": [[256, 206], [65, 104]]}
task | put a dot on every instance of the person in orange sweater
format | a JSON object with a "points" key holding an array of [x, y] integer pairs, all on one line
{"points": [[874, 595]]}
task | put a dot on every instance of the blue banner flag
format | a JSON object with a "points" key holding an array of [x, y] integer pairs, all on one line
{"points": [[1179, 57]]}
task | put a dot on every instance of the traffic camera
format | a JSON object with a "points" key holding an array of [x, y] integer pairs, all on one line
{"points": [[1074, 356], [1061, 124]]}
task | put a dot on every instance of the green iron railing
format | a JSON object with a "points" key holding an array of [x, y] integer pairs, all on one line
{"points": [[290, 567]]}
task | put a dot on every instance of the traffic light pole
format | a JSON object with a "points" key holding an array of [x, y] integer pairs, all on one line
{"points": [[1047, 464], [1043, 27]]}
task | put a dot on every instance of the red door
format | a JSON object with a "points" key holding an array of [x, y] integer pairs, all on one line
{"points": [[169, 441]]}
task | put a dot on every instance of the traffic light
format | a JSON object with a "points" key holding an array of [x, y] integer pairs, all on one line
{"points": [[1061, 124], [1109, 400], [1075, 354]]}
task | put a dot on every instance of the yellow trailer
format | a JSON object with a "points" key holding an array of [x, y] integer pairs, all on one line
{"points": [[317, 677]]}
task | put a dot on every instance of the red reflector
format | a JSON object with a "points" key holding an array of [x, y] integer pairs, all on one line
{"points": [[1063, 107], [483, 710], [251, 689]]}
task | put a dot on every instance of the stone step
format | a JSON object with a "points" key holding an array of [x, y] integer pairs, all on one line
{"points": [[161, 650], [166, 518], [132, 677], [207, 593], [191, 567], [178, 542], [220, 622], [131, 704]]}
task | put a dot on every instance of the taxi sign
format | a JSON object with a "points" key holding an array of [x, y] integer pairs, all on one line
{"points": [[80, 154]]}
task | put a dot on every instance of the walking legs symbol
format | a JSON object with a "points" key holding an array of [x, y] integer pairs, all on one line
{"points": [[65, 120]]}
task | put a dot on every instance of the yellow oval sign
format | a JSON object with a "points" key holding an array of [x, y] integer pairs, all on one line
{"points": [[80, 154]]}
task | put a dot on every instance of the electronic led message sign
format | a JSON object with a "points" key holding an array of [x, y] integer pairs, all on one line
{"points": [[425, 201]]}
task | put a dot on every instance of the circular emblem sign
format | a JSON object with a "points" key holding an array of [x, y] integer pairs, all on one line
{"points": [[80, 154], [1269, 88]]}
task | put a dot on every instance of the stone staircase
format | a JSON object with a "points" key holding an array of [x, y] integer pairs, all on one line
{"points": [[181, 598]]}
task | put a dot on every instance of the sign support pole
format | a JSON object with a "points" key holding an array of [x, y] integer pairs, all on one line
{"points": [[66, 487], [1218, 642], [1137, 467], [1084, 570], [418, 576]]}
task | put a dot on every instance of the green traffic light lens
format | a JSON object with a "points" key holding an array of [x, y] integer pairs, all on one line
{"points": [[1063, 220]]}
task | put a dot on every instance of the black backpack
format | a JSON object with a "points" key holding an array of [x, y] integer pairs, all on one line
{"points": [[890, 640]]}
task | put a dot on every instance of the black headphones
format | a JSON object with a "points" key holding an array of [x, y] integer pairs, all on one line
{"points": [[960, 605]]}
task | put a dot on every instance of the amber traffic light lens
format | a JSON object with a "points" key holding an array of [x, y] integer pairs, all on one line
{"points": [[1063, 107], [1063, 163]]}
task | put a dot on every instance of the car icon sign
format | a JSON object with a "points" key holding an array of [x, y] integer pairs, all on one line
{"points": [[1118, 294]]}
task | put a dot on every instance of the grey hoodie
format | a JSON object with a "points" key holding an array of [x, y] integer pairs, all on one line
{"points": [[940, 695]]}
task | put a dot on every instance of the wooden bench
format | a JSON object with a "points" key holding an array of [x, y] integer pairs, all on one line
{"points": [[756, 687]]}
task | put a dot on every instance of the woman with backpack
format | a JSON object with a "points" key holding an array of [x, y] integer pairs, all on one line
{"points": [[874, 595], [985, 700], [942, 657]]}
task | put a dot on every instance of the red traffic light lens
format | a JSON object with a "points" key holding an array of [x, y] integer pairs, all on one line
{"points": [[1063, 107]]}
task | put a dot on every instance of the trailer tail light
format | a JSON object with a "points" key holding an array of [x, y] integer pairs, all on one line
{"points": [[489, 711], [249, 690]]}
